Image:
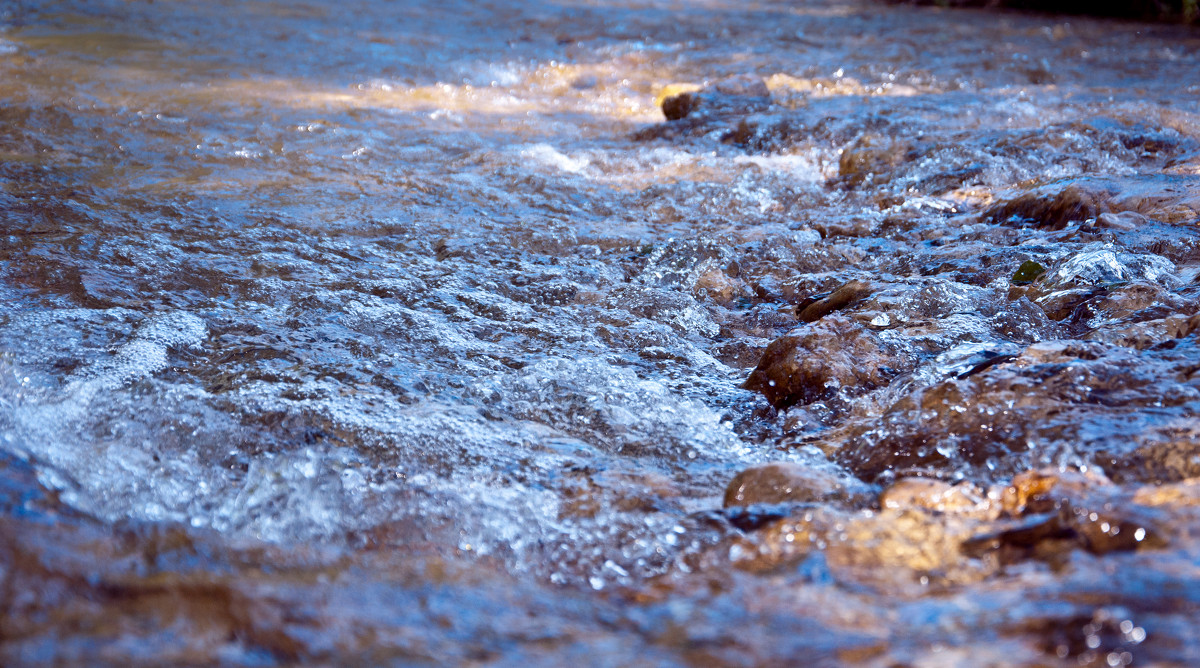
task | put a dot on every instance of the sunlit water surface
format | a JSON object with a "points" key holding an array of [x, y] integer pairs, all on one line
{"points": [[378, 333]]}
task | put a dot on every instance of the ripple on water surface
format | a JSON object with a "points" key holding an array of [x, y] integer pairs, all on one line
{"points": [[402, 334]]}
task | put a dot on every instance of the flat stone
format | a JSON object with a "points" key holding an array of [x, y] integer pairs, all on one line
{"points": [[789, 482]]}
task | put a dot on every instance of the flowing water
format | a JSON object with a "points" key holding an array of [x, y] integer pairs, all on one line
{"points": [[375, 333]]}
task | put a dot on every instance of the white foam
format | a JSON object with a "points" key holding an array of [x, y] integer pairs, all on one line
{"points": [[552, 157]]}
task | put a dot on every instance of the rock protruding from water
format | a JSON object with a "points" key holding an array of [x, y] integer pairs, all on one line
{"points": [[736, 95], [1055, 403], [689, 108], [1169, 198], [1101, 284], [832, 356], [679, 100], [846, 295], [789, 482]]}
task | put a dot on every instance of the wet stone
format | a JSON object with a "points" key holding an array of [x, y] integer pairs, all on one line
{"points": [[679, 105], [734, 96], [1101, 284], [717, 285], [938, 496], [589, 495], [1048, 513], [1172, 199], [846, 295], [1169, 455], [1146, 334], [831, 357], [1043, 490], [1052, 536], [873, 157], [787, 482], [1035, 409], [1102, 265], [725, 105], [1124, 221], [1182, 493], [893, 548]]}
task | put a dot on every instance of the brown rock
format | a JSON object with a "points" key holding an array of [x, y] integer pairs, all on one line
{"points": [[589, 495], [1143, 335], [1169, 198], [1185, 165], [1060, 304], [1072, 526], [1171, 455], [937, 496], [819, 360], [892, 547], [1062, 510], [677, 99], [783, 542], [1125, 221], [1102, 530], [954, 424], [1045, 489], [787, 482], [718, 286], [870, 157], [1182, 493], [1072, 203], [846, 295], [679, 106], [732, 97], [1006, 417], [1116, 303], [906, 539]]}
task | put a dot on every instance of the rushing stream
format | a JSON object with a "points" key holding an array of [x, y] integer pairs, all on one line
{"points": [[389, 333]]}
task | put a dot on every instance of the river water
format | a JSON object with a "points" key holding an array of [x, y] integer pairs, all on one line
{"points": [[373, 333]]}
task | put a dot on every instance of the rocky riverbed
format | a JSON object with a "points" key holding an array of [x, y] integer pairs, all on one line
{"points": [[637, 333]]}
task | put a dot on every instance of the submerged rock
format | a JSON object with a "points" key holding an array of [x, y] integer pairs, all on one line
{"points": [[938, 496], [1100, 265], [873, 157], [1142, 335], [892, 546], [1124, 221], [931, 530], [1043, 490], [590, 494]]}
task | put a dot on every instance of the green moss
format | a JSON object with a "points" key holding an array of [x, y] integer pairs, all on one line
{"points": [[1027, 272]]}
